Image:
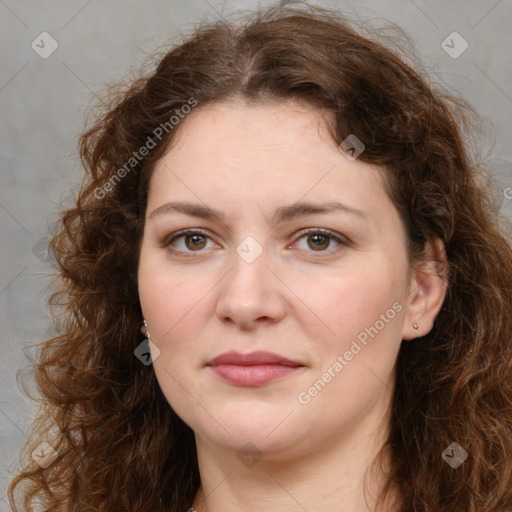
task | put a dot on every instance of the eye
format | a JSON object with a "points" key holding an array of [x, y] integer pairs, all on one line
{"points": [[319, 239], [193, 240]]}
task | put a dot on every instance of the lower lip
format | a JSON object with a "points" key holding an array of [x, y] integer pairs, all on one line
{"points": [[256, 375]]}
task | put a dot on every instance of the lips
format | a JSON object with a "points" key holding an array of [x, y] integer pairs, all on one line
{"points": [[253, 369]]}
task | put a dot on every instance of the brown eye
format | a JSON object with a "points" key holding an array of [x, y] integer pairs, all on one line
{"points": [[187, 241], [194, 242], [318, 241]]}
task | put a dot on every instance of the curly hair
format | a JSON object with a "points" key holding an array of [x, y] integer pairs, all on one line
{"points": [[120, 445]]}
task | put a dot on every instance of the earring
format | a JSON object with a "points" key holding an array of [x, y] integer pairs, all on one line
{"points": [[416, 326], [144, 329]]}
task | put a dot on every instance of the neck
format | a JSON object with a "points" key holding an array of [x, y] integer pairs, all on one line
{"points": [[334, 476]]}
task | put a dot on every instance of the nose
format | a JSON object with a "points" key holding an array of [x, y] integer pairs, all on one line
{"points": [[251, 293]]}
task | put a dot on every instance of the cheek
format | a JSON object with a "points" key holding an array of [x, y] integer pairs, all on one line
{"points": [[165, 294], [353, 366], [345, 306], [170, 309], [171, 305]]}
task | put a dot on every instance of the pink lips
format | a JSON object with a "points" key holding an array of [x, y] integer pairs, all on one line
{"points": [[252, 369]]}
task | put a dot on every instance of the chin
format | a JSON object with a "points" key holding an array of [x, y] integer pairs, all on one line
{"points": [[270, 428]]}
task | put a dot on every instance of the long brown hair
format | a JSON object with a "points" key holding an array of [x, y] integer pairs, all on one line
{"points": [[120, 445]]}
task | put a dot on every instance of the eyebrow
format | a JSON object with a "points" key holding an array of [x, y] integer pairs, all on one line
{"points": [[282, 214]]}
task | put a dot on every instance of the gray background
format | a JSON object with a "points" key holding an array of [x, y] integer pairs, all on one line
{"points": [[43, 102]]}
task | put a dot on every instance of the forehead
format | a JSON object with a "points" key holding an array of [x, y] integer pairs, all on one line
{"points": [[235, 155], [272, 127], [289, 137]]}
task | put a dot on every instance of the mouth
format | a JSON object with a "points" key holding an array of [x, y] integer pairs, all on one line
{"points": [[253, 369]]}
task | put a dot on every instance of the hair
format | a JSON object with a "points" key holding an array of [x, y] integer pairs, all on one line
{"points": [[120, 445]]}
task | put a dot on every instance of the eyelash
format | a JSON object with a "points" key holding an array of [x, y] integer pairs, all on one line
{"points": [[342, 241]]}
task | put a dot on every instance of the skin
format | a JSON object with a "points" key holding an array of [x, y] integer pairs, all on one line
{"points": [[304, 297]]}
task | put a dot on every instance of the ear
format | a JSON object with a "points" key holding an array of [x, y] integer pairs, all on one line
{"points": [[427, 291]]}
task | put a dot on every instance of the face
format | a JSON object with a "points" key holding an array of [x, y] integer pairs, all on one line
{"points": [[321, 288]]}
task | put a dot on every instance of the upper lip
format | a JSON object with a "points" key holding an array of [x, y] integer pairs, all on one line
{"points": [[251, 359]]}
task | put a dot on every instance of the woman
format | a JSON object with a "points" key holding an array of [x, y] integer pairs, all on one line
{"points": [[291, 213]]}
